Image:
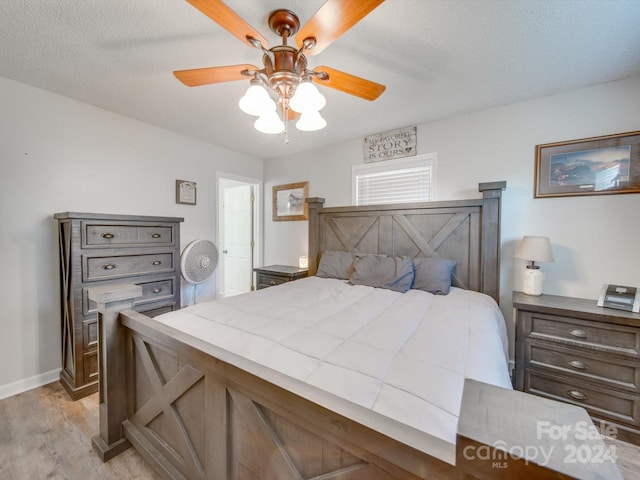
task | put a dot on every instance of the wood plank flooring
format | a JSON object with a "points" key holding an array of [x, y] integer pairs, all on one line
{"points": [[45, 435]]}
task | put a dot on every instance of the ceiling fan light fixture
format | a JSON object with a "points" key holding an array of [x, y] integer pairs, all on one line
{"points": [[307, 98], [311, 121], [285, 81], [256, 101], [269, 123]]}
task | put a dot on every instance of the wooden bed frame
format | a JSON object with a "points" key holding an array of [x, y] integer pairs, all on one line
{"points": [[196, 411], [467, 231]]}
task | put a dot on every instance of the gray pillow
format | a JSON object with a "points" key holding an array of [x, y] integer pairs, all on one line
{"points": [[335, 264], [433, 275], [393, 273]]}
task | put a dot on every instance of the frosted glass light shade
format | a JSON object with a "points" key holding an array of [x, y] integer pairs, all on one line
{"points": [[256, 101], [307, 99], [269, 123], [311, 121], [534, 249]]}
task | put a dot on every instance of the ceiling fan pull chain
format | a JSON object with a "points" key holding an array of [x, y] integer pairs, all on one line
{"points": [[285, 114]]}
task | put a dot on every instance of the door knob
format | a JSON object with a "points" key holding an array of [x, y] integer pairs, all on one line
{"points": [[225, 251]]}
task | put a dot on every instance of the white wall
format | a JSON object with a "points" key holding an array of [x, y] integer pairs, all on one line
{"points": [[594, 239], [59, 155]]}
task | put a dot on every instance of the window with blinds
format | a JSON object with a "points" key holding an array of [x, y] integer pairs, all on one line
{"points": [[394, 181]]}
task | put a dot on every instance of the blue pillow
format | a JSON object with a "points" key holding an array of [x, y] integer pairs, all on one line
{"points": [[433, 275], [336, 264]]}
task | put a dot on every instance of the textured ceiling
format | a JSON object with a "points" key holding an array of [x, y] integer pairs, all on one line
{"points": [[437, 59]]}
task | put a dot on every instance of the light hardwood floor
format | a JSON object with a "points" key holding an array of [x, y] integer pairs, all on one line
{"points": [[45, 435]]}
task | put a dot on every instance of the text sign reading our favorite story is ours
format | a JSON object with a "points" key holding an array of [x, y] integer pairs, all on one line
{"points": [[389, 145]]}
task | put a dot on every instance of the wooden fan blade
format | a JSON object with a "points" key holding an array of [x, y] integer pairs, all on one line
{"points": [[333, 19], [349, 83], [293, 115], [206, 76], [224, 16]]}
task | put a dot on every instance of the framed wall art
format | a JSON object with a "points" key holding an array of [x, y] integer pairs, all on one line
{"points": [[288, 201], [185, 192], [589, 166]]}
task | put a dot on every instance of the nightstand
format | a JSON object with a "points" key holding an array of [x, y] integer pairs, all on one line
{"points": [[571, 350], [277, 274]]}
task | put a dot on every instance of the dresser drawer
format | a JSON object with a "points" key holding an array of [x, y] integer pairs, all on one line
{"points": [[584, 364], [265, 281], [153, 291], [101, 234], [102, 268], [603, 402], [590, 334]]}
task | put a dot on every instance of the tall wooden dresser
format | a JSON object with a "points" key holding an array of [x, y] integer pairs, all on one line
{"points": [[98, 249]]}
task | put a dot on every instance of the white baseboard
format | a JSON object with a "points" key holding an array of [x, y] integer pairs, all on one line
{"points": [[29, 383]]}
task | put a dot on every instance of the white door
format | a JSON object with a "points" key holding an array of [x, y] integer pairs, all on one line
{"points": [[237, 239]]}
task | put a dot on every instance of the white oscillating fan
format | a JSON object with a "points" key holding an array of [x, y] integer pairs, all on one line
{"points": [[198, 262]]}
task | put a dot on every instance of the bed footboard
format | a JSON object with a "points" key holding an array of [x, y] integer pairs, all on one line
{"points": [[192, 415], [194, 412]]}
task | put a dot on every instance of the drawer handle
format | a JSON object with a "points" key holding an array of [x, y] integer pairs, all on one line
{"points": [[273, 282], [577, 395], [156, 235], [578, 333], [156, 262], [578, 364], [156, 290], [108, 235], [109, 266]]}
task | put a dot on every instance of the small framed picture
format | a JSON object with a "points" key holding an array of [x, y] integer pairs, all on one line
{"points": [[289, 201], [185, 192], [589, 166]]}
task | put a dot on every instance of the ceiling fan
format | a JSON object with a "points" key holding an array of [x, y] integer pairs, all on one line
{"points": [[285, 82]]}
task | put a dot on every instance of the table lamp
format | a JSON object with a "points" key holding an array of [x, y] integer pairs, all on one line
{"points": [[533, 249]]}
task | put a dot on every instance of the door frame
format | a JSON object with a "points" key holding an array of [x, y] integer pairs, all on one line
{"points": [[258, 222]]}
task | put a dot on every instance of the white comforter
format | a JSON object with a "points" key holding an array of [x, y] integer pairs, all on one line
{"points": [[403, 355]]}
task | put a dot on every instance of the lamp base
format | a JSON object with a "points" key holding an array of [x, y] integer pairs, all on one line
{"points": [[532, 280]]}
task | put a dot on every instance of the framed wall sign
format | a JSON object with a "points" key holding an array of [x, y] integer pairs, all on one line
{"points": [[185, 192], [399, 143], [288, 201], [589, 166]]}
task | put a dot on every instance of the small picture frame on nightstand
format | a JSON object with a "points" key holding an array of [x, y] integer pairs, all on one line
{"points": [[620, 298], [185, 192]]}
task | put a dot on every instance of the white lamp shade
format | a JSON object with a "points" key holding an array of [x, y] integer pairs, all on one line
{"points": [[269, 123], [311, 121], [534, 249], [307, 99], [256, 101]]}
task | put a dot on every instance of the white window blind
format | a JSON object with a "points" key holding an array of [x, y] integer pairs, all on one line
{"points": [[393, 182]]}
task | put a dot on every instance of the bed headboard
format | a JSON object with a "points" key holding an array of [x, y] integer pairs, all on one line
{"points": [[467, 231]]}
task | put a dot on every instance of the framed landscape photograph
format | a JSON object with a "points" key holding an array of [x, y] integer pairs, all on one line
{"points": [[589, 166], [288, 201]]}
